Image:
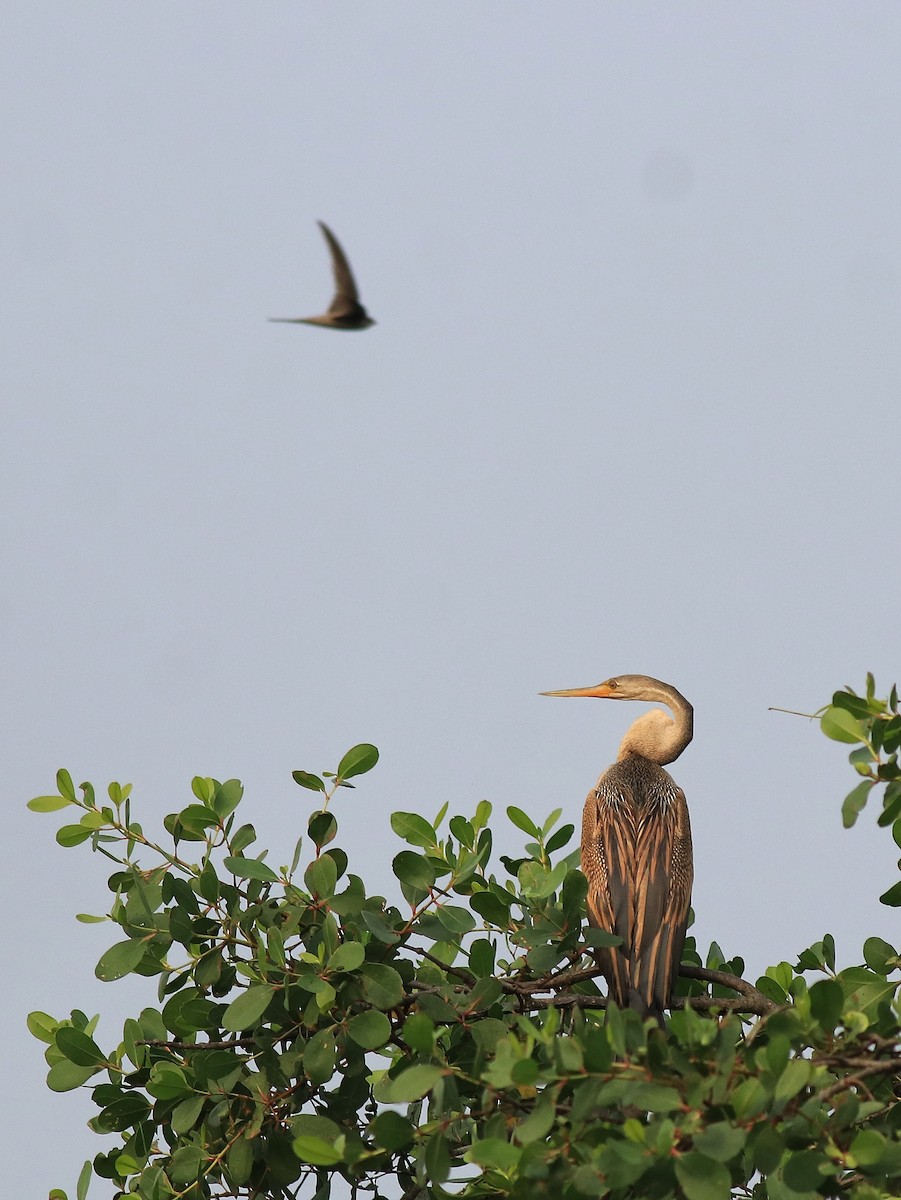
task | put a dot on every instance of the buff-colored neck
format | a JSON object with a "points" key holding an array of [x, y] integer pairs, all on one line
{"points": [[658, 736]]}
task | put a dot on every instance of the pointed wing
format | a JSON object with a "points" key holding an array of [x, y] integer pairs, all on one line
{"points": [[346, 301]]}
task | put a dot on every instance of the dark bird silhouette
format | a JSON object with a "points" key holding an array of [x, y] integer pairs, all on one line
{"points": [[345, 310], [636, 848]]}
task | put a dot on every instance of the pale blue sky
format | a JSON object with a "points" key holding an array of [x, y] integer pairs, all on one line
{"points": [[630, 406]]}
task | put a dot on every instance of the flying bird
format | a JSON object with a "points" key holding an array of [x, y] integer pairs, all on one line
{"points": [[636, 848], [345, 310]]}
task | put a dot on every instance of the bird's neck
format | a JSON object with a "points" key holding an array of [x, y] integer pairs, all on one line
{"points": [[657, 736]]}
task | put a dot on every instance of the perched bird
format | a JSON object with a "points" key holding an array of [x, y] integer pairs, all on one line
{"points": [[636, 848], [345, 310]]}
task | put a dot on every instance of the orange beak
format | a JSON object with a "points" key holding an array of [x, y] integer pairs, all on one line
{"points": [[599, 689]]}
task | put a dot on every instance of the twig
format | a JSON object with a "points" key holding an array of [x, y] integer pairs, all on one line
{"points": [[849, 1081], [458, 972]]}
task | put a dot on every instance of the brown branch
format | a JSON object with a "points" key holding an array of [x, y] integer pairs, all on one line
{"points": [[698, 1003], [849, 1081], [564, 979], [176, 1044], [760, 1004], [458, 972]]}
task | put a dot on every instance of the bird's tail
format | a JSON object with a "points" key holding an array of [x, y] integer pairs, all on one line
{"points": [[639, 1004]]}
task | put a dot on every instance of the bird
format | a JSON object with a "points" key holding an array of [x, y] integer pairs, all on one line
{"points": [[345, 310], [636, 848]]}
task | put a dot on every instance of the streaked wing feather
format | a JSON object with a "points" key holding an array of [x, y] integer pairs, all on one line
{"points": [[664, 852]]}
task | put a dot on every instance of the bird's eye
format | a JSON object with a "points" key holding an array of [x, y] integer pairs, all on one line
{"points": [[612, 684]]}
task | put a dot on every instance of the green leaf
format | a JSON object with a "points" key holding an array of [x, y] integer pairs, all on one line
{"points": [[854, 802], [523, 822], [227, 798], [600, 938], [48, 803], [494, 1152], [826, 1002], [246, 1010], [392, 1131], [378, 927], [64, 784], [382, 985], [42, 1026], [186, 1165], [801, 1172], [357, 761], [540, 1120], [437, 1158], [250, 868], [319, 1057], [455, 920], [491, 907], [892, 897], [348, 957], [419, 1033], [239, 1162], [463, 832], [321, 876], [167, 1082], [306, 780], [314, 1150], [78, 1047], [767, 1148], [652, 1097], [65, 1076], [369, 1029], [73, 835], [412, 1084], [877, 955], [481, 957], [856, 705], [120, 960], [84, 1180], [322, 828], [414, 870], [198, 817], [414, 829], [316, 1126], [184, 1115], [795, 1077], [720, 1141], [868, 1148], [703, 1178], [840, 726], [560, 838], [204, 789]]}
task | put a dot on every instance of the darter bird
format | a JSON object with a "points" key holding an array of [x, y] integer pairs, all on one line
{"points": [[636, 848]]}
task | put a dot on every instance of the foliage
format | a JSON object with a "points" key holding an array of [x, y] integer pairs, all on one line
{"points": [[306, 1032]]}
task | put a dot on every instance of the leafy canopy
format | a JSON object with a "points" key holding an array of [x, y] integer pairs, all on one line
{"points": [[457, 1042]]}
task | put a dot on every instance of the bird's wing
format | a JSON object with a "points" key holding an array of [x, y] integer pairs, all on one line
{"points": [[662, 897], [346, 298], [636, 854], [604, 863]]}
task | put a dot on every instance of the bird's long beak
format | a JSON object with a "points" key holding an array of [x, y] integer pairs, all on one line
{"points": [[599, 689]]}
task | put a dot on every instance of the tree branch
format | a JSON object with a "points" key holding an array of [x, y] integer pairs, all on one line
{"points": [[759, 1004]]}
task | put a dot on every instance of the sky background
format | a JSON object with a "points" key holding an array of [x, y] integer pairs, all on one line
{"points": [[630, 406]]}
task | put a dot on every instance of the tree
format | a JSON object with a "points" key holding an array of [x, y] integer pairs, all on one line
{"points": [[305, 1030]]}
